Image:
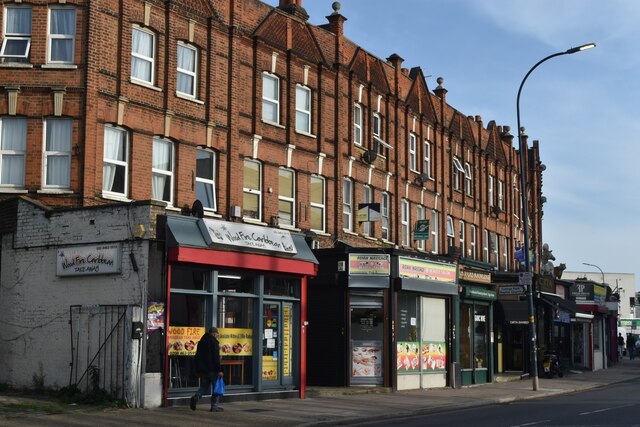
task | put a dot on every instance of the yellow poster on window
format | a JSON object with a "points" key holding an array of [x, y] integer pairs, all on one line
{"points": [[286, 332], [235, 341], [183, 340], [269, 368]]}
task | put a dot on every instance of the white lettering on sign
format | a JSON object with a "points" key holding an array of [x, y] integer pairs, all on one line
{"points": [[480, 318]]}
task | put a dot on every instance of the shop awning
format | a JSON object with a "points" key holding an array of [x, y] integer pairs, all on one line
{"points": [[515, 312], [559, 302]]}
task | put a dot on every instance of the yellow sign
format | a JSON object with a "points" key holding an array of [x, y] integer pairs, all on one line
{"points": [[269, 368], [286, 331], [183, 340], [235, 341]]}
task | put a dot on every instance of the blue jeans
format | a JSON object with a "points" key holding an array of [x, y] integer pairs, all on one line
{"points": [[206, 387]]}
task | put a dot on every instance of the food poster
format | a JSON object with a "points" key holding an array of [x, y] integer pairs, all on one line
{"points": [[408, 356], [235, 341], [183, 340], [286, 336], [155, 316], [434, 356], [366, 359], [269, 368]]}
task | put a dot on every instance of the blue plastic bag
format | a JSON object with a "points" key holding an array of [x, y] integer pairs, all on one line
{"points": [[218, 389]]}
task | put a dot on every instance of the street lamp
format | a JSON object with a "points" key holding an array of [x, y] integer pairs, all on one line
{"points": [[523, 196], [593, 265]]}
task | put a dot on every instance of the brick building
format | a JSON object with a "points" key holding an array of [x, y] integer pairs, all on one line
{"points": [[269, 123]]}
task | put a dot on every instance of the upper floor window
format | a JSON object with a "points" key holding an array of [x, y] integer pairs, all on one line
{"points": [[485, 246], [461, 236], [501, 195], [317, 199], [62, 34], [505, 256], [270, 98], [427, 158], [457, 171], [17, 34], [451, 233], [252, 190], [206, 178], [376, 122], [495, 241], [347, 204], [405, 221], [367, 197], [517, 202], [303, 109], [13, 150], [187, 76], [357, 124], [421, 214], [474, 246], [115, 166], [287, 197], [434, 231], [143, 47], [412, 152], [57, 153], [162, 170], [467, 179], [491, 191], [385, 215]]}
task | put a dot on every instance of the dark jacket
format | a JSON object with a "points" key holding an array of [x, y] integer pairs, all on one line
{"points": [[207, 359]]}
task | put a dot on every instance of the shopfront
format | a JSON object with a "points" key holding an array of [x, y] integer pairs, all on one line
{"points": [[476, 326], [589, 325], [250, 282], [511, 327]]}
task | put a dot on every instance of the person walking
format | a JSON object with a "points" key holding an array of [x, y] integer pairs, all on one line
{"points": [[620, 345], [208, 368]]}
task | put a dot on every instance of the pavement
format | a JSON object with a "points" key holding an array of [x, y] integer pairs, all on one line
{"points": [[327, 407]]}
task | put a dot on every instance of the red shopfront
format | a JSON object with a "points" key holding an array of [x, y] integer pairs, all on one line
{"points": [[251, 283]]}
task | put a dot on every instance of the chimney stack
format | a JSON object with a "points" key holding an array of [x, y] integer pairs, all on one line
{"points": [[440, 91], [336, 20], [294, 7]]}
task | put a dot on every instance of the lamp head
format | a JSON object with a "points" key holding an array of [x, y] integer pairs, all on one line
{"points": [[581, 48]]}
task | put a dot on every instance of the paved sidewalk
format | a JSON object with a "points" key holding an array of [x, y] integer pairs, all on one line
{"points": [[334, 408]]}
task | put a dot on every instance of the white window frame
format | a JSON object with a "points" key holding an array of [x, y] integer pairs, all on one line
{"points": [[268, 100], [434, 231], [501, 195], [496, 250], [287, 199], [517, 202], [427, 158], [413, 138], [451, 232], [316, 205], [457, 170], [167, 173], [107, 161], [404, 223], [421, 213], [51, 37], [48, 154], [468, 179], [347, 204], [209, 180], [367, 197], [193, 74], [14, 152], [303, 112], [473, 237], [385, 216], [9, 37], [461, 238], [491, 191], [505, 253], [357, 124], [485, 247], [376, 130], [141, 57], [253, 191]]}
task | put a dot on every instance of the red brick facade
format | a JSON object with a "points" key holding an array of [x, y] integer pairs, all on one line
{"points": [[237, 42]]}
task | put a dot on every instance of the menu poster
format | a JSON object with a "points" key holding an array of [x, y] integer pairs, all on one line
{"points": [[269, 368], [286, 332], [408, 356], [434, 355], [155, 316], [366, 359], [183, 340], [235, 341]]}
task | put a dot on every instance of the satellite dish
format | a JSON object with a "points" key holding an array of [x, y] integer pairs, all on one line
{"points": [[197, 209]]}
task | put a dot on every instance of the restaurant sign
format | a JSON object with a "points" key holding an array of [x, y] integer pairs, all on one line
{"points": [[412, 268], [89, 260], [474, 275], [369, 265], [247, 236]]}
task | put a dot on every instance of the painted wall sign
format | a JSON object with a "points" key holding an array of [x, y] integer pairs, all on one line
{"points": [[426, 270], [510, 290], [247, 236], [369, 265], [474, 275], [89, 260]]}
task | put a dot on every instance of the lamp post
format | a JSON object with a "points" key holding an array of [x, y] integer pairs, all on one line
{"points": [[593, 265], [523, 196]]}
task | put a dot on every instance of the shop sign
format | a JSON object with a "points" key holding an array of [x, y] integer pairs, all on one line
{"points": [[183, 340], [235, 341], [368, 212], [412, 268], [474, 275], [546, 284], [599, 293], [247, 236], [89, 260], [581, 291], [369, 265], [421, 230], [479, 293], [510, 290]]}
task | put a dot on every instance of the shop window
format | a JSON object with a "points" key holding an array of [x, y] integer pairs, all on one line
{"points": [[408, 335], [57, 155], [282, 286], [189, 279], [115, 167], [252, 188], [62, 34], [286, 197], [236, 329], [433, 335], [236, 282], [480, 353], [13, 150], [466, 349], [317, 185], [206, 178]]}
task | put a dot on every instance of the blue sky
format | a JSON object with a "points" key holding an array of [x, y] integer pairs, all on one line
{"points": [[583, 108]]}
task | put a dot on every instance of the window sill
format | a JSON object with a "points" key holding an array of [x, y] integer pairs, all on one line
{"points": [[278, 125], [388, 242], [212, 214], [145, 84], [289, 228], [320, 232], [189, 98], [254, 221], [13, 190], [15, 65], [349, 232], [116, 197], [54, 191], [171, 208], [373, 239], [309, 135], [54, 66]]}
